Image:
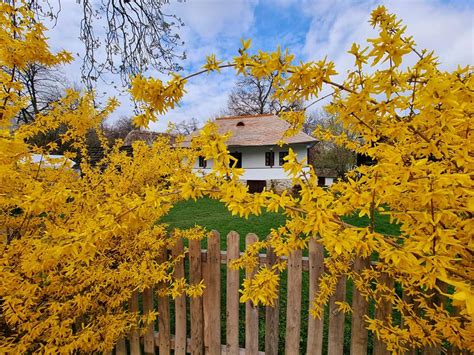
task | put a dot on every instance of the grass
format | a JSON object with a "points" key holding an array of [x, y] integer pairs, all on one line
{"points": [[213, 215]]}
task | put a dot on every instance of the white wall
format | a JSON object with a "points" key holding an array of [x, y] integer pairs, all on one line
{"points": [[253, 161]]}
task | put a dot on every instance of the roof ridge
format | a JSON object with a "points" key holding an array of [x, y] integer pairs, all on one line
{"points": [[245, 116]]}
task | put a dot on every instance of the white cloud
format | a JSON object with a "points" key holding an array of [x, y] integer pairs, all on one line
{"points": [[443, 27], [208, 19]]}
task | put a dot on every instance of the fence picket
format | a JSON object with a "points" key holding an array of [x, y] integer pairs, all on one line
{"points": [[251, 312], [213, 290], [336, 319], [180, 303], [205, 312], [382, 312], [164, 333], [315, 326], [121, 347], [134, 336], [232, 296], [359, 333], [293, 306], [149, 338], [197, 322], [272, 316]]}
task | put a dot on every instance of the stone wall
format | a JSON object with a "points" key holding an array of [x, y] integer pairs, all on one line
{"points": [[276, 185], [279, 185]]}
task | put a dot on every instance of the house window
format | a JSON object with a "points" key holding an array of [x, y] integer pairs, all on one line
{"points": [[202, 162], [269, 158], [321, 181], [238, 156], [282, 158]]}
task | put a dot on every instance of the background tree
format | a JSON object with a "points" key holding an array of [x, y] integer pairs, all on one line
{"points": [[254, 96], [42, 86], [327, 153], [186, 127], [139, 35], [118, 129]]}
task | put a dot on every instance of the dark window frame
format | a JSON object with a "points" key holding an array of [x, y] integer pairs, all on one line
{"points": [[281, 157], [269, 158], [202, 162], [238, 156]]}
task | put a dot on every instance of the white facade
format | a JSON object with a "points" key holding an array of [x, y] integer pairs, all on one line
{"points": [[253, 161]]}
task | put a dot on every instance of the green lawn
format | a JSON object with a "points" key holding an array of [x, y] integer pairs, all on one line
{"points": [[212, 214]]}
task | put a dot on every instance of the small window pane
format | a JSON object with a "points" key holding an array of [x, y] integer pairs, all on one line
{"points": [[202, 162], [282, 157], [269, 158]]}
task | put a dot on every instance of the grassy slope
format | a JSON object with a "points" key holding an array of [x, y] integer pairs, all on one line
{"points": [[212, 214]]}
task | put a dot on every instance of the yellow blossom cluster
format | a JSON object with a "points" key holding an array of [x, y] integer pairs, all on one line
{"points": [[414, 122], [75, 247]]}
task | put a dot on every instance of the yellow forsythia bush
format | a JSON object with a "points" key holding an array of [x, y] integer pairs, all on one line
{"points": [[75, 247]]}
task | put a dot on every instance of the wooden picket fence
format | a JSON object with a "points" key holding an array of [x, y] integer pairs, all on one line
{"points": [[205, 311]]}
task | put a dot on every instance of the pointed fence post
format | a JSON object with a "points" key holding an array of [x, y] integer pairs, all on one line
{"points": [[180, 303], [232, 296], [272, 316], [197, 321], [134, 336], [293, 306], [315, 326], [336, 319], [149, 338], [360, 307], [212, 313], [251, 311]]}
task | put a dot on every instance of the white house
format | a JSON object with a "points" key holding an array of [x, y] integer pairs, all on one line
{"points": [[254, 143]]}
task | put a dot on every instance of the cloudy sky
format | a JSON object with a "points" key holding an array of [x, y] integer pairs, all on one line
{"points": [[309, 29]]}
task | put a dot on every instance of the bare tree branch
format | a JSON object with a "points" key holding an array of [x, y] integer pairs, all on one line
{"points": [[139, 35]]}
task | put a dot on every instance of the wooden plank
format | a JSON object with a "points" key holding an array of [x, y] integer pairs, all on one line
{"points": [[232, 296], [382, 311], [272, 317], [251, 312], [213, 293], [293, 306], [180, 303], [408, 299], [121, 347], [360, 307], [197, 322], [134, 336], [316, 269], [149, 338], [163, 316], [336, 319]]}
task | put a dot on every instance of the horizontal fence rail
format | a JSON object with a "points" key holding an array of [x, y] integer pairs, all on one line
{"points": [[194, 325]]}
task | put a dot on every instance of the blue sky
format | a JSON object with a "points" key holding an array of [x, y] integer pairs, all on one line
{"points": [[309, 29]]}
